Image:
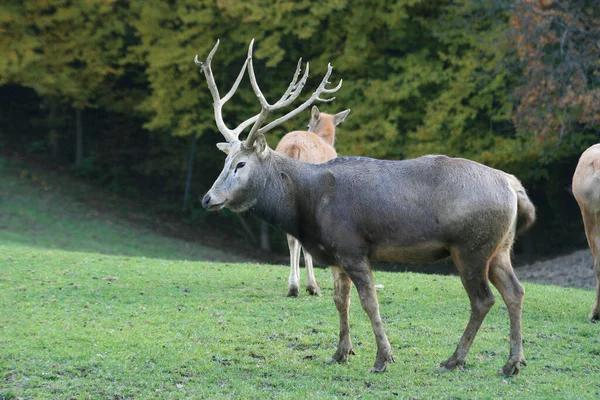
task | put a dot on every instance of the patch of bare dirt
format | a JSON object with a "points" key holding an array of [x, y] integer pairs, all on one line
{"points": [[571, 270]]}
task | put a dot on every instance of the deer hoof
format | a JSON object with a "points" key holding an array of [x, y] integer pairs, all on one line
{"points": [[293, 291], [378, 369], [337, 359], [381, 361], [451, 364], [341, 356], [313, 290], [512, 367], [594, 316]]}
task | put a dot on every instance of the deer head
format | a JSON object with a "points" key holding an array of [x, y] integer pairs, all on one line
{"points": [[316, 120], [243, 177]]}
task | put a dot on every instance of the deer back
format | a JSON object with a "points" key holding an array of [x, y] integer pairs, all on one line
{"points": [[306, 146]]}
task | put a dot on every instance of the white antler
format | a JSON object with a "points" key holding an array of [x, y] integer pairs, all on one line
{"points": [[230, 135], [293, 91]]}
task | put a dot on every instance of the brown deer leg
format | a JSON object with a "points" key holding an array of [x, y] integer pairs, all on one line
{"points": [[294, 280], [341, 297], [590, 221], [473, 273], [362, 277], [595, 314], [311, 282], [503, 277]]}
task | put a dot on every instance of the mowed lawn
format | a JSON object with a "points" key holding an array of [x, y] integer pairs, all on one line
{"points": [[95, 307]]}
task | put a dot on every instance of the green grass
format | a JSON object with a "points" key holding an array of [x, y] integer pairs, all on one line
{"points": [[96, 304], [85, 325], [44, 209]]}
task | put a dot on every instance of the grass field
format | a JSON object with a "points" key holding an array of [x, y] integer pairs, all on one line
{"points": [[135, 315], [45, 209]]}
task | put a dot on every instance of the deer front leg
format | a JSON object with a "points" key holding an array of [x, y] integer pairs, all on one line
{"points": [[362, 277], [341, 297], [595, 314], [311, 282], [592, 233], [294, 280]]}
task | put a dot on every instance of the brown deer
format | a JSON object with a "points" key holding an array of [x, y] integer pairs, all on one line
{"points": [[351, 210], [586, 189], [313, 146]]}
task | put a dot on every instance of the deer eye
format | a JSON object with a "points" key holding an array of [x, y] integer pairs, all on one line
{"points": [[239, 165]]}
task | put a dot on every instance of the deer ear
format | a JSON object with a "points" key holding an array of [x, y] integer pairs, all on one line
{"points": [[224, 147], [340, 117], [314, 113], [260, 144]]}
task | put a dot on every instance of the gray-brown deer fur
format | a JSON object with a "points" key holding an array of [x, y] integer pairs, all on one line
{"points": [[352, 210], [312, 146], [586, 189]]}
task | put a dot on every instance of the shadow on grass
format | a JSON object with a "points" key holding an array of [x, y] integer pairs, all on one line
{"points": [[44, 209]]}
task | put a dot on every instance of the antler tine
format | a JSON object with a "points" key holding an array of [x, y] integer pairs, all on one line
{"points": [[332, 90], [261, 98], [235, 84], [293, 91], [293, 95], [314, 97], [229, 134], [294, 88]]}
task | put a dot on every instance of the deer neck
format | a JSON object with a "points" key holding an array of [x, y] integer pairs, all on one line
{"points": [[287, 184], [327, 132]]}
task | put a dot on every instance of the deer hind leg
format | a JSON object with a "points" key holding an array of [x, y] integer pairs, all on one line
{"points": [[341, 297], [503, 277], [592, 232], [595, 314], [311, 282], [473, 273], [294, 280], [362, 277]]}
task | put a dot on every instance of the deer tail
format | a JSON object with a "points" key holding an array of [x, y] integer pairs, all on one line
{"points": [[525, 208]]}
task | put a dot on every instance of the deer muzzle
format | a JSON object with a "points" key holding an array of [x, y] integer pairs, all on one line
{"points": [[212, 204]]}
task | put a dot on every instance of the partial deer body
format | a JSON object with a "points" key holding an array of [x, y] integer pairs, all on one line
{"points": [[315, 146], [352, 210], [586, 189]]}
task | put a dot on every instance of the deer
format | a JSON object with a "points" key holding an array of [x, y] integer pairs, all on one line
{"points": [[586, 190], [353, 210], [313, 146]]}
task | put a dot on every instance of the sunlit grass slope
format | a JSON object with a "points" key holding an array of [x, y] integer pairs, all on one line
{"points": [[48, 210]]}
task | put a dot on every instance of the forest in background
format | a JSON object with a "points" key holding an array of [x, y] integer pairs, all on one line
{"points": [[109, 88]]}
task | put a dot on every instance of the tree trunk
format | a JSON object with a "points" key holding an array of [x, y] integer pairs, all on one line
{"points": [[246, 228], [53, 136], [78, 137], [265, 240], [188, 181], [148, 164]]}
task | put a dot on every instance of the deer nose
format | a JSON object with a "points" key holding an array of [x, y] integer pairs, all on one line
{"points": [[206, 200]]}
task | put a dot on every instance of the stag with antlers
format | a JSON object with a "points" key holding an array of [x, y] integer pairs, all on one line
{"points": [[352, 210]]}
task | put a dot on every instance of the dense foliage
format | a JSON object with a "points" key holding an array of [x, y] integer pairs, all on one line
{"points": [[111, 85]]}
